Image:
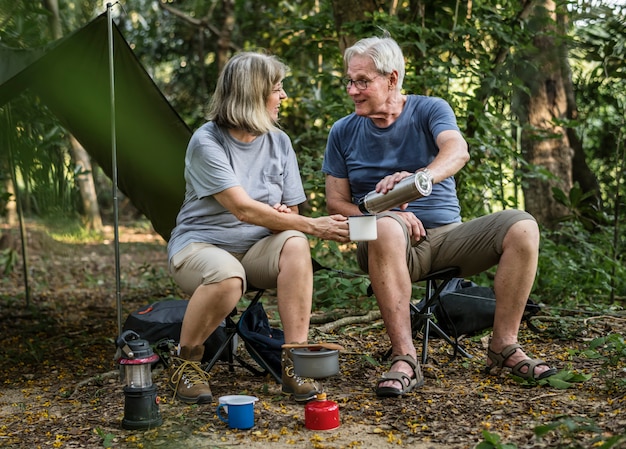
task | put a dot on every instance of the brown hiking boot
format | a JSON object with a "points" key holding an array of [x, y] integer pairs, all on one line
{"points": [[188, 380], [303, 389]]}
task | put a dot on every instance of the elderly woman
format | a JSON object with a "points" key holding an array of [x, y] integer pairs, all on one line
{"points": [[239, 222]]}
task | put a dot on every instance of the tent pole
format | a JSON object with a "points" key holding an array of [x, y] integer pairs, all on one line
{"points": [[20, 212], [116, 240]]}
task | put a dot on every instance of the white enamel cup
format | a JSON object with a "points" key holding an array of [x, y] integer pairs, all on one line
{"points": [[362, 227]]}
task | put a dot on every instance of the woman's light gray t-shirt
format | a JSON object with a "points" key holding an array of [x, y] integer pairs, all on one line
{"points": [[266, 168]]}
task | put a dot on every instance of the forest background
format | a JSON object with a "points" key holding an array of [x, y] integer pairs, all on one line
{"points": [[537, 86], [539, 89]]}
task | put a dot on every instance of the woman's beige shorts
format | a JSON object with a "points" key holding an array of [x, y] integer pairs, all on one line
{"points": [[204, 263]]}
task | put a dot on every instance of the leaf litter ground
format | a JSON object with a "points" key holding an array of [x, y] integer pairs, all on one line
{"points": [[59, 386]]}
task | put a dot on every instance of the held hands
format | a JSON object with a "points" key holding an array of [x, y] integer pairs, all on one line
{"points": [[282, 208], [334, 227]]}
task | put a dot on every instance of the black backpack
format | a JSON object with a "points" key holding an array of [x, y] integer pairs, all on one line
{"points": [[465, 308], [257, 333], [161, 321]]}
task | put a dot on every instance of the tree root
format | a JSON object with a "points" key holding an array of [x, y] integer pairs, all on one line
{"points": [[372, 315], [95, 379]]}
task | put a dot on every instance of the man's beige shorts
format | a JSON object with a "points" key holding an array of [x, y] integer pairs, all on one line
{"points": [[473, 246]]}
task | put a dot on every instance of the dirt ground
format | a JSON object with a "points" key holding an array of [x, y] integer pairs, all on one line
{"points": [[59, 387]]}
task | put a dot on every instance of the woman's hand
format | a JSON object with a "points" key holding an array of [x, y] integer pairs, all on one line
{"points": [[334, 227], [282, 208]]}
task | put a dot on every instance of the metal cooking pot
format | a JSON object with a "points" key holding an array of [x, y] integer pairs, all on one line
{"points": [[315, 363]]}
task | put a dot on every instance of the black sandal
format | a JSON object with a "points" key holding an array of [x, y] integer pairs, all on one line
{"points": [[408, 383]]}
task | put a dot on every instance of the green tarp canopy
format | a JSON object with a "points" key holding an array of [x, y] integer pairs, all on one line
{"points": [[71, 76]]}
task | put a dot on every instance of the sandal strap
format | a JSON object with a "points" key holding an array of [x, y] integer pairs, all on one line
{"points": [[405, 358], [403, 378], [531, 364], [498, 359]]}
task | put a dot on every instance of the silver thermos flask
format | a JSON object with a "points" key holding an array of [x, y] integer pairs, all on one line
{"points": [[409, 189]]}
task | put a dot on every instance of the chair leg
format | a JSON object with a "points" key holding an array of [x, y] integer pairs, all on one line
{"points": [[256, 355], [226, 345], [427, 324], [431, 324], [277, 376], [422, 319], [233, 330]]}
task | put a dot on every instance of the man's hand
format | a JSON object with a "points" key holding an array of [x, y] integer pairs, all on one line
{"points": [[414, 225], [388, 182]]}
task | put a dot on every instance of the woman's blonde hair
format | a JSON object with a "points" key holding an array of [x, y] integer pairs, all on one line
{"points": [[242, 90]]}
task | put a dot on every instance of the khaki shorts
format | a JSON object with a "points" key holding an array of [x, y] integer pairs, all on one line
{"points": [[204, 263], [473, 246]]}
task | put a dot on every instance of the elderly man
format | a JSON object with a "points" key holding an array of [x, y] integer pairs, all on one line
{"points": [[391, 136]]}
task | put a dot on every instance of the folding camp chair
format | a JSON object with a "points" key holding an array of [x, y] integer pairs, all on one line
{"points": [[233, 330], [422, 317], [422, 314]]}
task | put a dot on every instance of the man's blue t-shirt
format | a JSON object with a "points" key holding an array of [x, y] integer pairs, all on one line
{"points": [[360, 151]]}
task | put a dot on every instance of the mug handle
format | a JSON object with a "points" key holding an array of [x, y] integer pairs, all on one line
{"points": [[219, 414]]}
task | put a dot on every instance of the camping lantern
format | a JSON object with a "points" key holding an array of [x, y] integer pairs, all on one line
{"points": [[141, 406]]}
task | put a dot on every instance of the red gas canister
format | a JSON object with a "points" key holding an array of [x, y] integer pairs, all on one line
{"points": [[321, 414]]}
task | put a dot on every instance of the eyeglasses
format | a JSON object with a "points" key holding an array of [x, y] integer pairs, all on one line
{"points": [[361, 84]]}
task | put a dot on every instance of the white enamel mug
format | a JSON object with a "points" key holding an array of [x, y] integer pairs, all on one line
{"points": [[362, 227]]}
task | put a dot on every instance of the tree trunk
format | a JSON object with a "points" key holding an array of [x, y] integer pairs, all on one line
{"points": [[11, 209], [544, 140], [225, 40], [581, 173], [345, 11], [86, 186]]}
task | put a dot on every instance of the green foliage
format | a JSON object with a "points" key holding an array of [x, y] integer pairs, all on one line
{"points": [[107, 437], [8, 260], [611, 350], [493, 441], [70, 230], [576, 266], [339, 284], [562, 380], [580, 208], [39, 147], [341, 290], [573, 434]]}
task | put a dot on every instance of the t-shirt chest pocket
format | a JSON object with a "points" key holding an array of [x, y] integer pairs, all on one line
{"points": [[274, 187]]}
